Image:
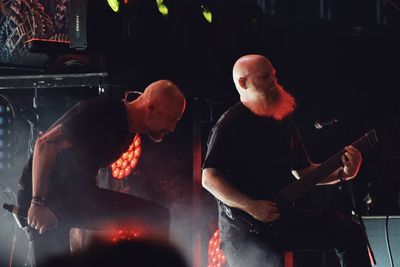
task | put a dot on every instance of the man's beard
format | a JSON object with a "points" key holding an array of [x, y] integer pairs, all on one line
{"points": [[275, 102]]}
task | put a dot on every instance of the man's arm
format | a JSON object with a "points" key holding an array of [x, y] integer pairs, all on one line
{"points": [[45, 152], [351, 164], [215, 182]]}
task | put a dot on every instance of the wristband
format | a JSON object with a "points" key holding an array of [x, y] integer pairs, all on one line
{"points": [[39, 201]]}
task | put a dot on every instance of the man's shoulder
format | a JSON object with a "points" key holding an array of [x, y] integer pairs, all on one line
{"points": [[231, 117]]}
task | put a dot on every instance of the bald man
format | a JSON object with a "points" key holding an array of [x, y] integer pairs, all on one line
{"points": [[252, 151], [58, 186]]}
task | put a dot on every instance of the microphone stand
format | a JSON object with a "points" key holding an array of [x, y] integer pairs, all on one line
{"points": [[355, 214]]}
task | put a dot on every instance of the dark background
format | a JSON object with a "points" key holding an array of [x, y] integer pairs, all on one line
{"points": [[338, 58]]}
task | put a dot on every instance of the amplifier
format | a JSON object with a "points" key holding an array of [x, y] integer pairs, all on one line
{"points": [[376, 232]]}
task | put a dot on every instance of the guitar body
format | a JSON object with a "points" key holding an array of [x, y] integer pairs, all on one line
{"points": [[288, 212], [287, 196]]}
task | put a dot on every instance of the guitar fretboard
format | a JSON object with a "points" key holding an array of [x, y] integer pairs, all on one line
{"points": [[306, 183]]}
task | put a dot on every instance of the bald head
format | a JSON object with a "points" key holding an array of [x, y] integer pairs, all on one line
{"points": [[248, 65], [164, 92], [255, 80], [163, 104]]}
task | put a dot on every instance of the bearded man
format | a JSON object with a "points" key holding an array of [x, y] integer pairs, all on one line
{"points": [[252, 150]]}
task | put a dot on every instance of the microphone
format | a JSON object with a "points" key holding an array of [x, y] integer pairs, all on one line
{"points": [[319, 125], [19, 215]]}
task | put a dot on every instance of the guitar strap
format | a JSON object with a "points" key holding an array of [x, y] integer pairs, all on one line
{"points": [[227, 210]]}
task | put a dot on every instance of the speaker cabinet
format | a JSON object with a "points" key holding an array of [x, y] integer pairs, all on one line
{"points": [[376, 232]]}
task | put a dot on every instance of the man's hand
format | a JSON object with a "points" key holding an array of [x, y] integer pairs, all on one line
{"points": [[41, 218], [264, 210], [352, 161]]}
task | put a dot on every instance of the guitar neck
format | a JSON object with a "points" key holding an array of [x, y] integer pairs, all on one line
{"points": [[307, 183]]}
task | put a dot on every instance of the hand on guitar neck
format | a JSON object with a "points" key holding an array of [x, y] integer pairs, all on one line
{"points": [[351, 162], [326, 173]]}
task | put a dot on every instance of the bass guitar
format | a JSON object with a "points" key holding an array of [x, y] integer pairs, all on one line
{"points": [[286, 197]]}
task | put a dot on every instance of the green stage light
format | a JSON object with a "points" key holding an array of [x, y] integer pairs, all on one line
{"points": [[206, 13], [114, 4], [162, 7]]}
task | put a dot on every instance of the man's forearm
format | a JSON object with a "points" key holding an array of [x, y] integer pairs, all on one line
{"points": [[216, 184], [351, 160], [262, 210], [44, 156], [333, 178]]}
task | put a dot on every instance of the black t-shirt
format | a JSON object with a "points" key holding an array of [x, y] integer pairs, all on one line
{"points": [[255, 154], [98, 130]]}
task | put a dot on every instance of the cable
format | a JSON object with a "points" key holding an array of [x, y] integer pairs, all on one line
{"points": [[388, 241], [131, 92], [13, 245], [12, 197]]}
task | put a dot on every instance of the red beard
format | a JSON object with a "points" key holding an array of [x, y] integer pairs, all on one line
{"points": [[275, 102]]}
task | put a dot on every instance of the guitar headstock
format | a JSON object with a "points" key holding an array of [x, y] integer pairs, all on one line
{"points": [[372, 137]]}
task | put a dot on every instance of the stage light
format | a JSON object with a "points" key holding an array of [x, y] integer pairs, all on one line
{"points": [[206, 13], [215, 256], [124, 234], [128, 161], [162, 7], [114, 4]]}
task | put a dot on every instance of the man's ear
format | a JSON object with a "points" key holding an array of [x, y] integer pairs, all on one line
{"points": [[151, 108], [243, 82]]}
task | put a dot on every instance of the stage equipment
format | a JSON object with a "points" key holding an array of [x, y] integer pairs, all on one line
{"points": [[215, 256], [48, 46], [122, 167], [52, 81], [36, 25], [88, 30], [384, 235], [7, 129]]}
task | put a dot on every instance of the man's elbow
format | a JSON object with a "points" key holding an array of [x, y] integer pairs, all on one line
{"points": [[207, 178], [40, 143], [43, 145], [204, 179]]}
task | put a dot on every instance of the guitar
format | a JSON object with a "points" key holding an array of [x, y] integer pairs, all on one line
{"points": [[294, 191]]}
